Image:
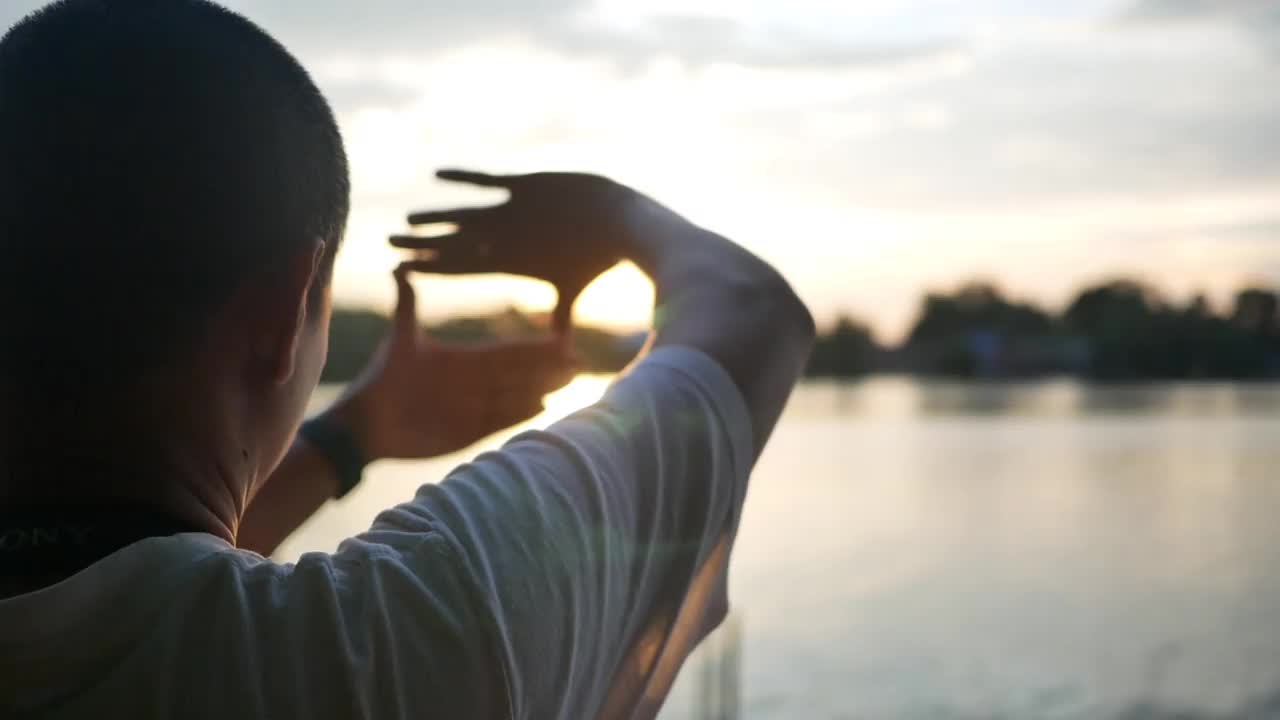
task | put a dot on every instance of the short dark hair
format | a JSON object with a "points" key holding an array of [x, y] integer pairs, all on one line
{"points": [[154, 154]]}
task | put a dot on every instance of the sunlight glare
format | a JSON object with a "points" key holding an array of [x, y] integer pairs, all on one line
{"points": [[579, 393], [619, 299]]}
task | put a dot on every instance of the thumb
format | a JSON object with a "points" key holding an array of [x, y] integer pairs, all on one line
{"points": [[562, 316], [405, 320]]}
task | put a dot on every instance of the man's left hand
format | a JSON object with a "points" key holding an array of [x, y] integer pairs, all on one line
{"points": [[421, 398]]}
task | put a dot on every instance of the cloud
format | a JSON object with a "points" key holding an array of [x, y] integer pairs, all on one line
{"points": [[704, 39], [1105, 111], [1262, 229], [1189, 9], [326, 28], [1259, 18], [891, 112], [325, 32], [322, 29], [355, 93]]}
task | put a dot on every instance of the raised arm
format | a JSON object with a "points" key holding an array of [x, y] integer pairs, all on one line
{"points": [[715, 296], [601, 545]]}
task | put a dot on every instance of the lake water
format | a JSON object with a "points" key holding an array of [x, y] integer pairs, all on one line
{"points": [[924, 549]]}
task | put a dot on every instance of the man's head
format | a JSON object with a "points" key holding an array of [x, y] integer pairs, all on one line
{"points": [[172, 184]]}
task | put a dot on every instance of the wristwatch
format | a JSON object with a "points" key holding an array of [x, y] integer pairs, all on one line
{"points": [[338, 445]]}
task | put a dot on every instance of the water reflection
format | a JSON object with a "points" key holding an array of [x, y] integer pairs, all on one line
{"points": [[898, 397]]}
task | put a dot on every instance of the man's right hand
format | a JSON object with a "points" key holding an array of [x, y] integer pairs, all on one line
{"points": [[564, 228]]}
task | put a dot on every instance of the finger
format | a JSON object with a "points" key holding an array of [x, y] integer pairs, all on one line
{"points": [[475, 178], [406, 313], [456, 244], [421, 242], [454, 215], [448, 265], [562, 315]]}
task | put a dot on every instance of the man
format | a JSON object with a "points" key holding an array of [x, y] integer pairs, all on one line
{"points": [[173, 191]]}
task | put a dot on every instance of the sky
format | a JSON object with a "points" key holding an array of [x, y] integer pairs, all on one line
{"points": [[870, 149]]}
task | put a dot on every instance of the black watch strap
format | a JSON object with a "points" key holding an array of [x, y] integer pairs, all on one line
{"points": [[339, 447]]}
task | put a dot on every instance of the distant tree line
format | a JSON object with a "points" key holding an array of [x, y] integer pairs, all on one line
{"points": [[1120, 330], [355, 334]]}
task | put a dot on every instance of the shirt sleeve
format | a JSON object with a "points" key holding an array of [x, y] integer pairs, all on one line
{"points": [[598, 548]]}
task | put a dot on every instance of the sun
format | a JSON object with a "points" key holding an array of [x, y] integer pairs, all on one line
{"points": [[620, 299]]}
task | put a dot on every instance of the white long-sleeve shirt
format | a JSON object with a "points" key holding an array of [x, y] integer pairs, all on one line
{"points": [[564, 576]]}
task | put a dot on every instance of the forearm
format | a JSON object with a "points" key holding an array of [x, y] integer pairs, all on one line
{"points": [[715, 296], [302, 483]]}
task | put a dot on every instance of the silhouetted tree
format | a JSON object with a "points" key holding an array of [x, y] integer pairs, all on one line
{"points": [[970, 332], [848, 350], [1133, 334], [1255, 311], [977, 308], [1124, 322]]}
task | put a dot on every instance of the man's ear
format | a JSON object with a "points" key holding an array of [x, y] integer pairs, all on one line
{"points": [[285, 313]]}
